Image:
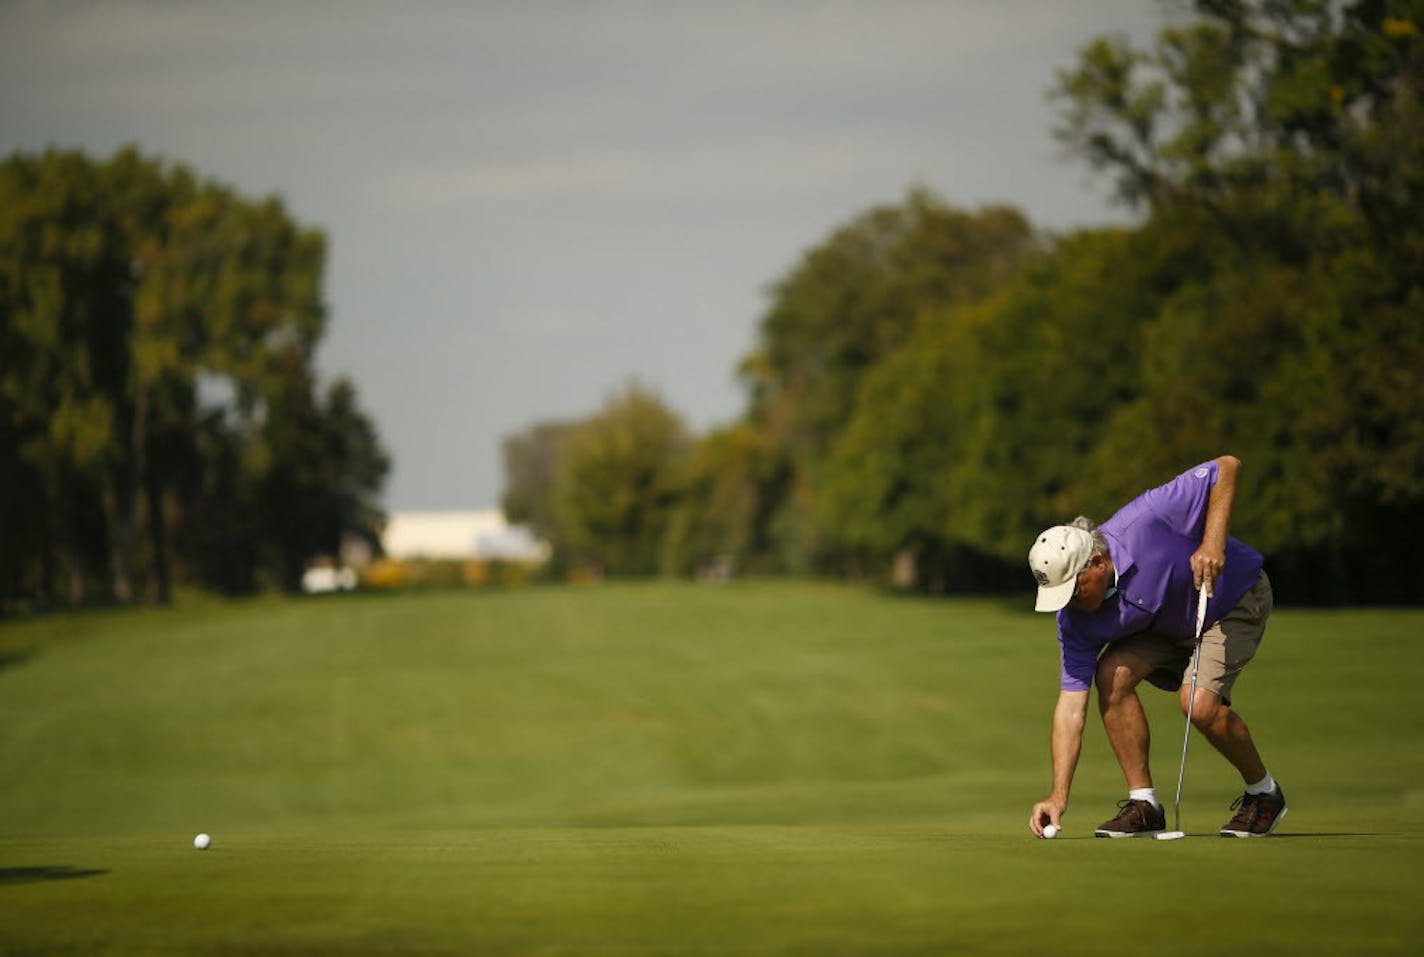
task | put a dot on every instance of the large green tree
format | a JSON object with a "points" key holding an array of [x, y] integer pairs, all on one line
{"points": [[65, 315], [930, 387], [988, 417], [125, 285], [619, 478], [730, 479], [1293, 131], [849, 303], [532, 459], [315, 465]]}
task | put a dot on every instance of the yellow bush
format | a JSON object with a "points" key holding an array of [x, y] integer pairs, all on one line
{"points": [[386, 573]]}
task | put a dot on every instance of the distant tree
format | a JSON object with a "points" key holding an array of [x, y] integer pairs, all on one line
{"points": [[856, 297], [1295, 132], [316, 466], [1262, 108], [987, 418], [937, 385], [218, 533], [123, 284], [852, 301], [715, 523], [65, 296], [619, 480], [532, 460]]}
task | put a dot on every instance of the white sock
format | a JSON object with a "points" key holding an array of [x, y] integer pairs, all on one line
{"points": [[1264, 786], [1144, 794]]}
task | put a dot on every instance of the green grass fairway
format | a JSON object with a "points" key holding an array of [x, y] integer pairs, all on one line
{"points": [[667, 769]]}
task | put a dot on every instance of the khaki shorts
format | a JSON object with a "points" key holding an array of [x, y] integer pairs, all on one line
{"points": [[1227, 645]]}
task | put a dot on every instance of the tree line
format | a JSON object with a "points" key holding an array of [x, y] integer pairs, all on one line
{"points": [[930, 386], [161, 418]]}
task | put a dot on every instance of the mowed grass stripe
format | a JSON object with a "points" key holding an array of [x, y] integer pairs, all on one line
{"points": [[762, 768], [499, 708]]}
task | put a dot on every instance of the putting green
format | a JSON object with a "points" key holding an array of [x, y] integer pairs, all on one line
{"points": [[764, 768]]}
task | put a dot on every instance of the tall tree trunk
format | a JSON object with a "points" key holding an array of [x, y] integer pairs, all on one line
{"points": [[76, 581], [158, 540], [131, 500], [44, 586], [116, 501]]}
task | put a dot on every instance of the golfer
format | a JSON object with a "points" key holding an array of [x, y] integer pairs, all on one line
{"points": [[1125, 596]]}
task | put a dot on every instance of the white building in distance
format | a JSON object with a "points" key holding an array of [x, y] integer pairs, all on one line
{"points": [[460, 535]]}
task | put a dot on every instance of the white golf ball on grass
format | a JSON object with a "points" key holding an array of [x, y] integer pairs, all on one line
{"points": [[1050, 831], [202, 841]]}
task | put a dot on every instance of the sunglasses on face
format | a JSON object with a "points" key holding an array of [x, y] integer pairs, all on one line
{"points": [[1077, 579]]}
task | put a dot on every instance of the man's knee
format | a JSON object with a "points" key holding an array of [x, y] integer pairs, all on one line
{"points": [[1118, 675], [1206, 708]]}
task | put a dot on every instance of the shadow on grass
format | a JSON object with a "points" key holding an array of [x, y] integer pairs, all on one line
{"points": [[14, 659], [1333, 834], [1272, 837], [38, 875]]}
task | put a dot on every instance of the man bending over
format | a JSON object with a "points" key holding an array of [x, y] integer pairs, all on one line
{"points": [[1124, 594]]}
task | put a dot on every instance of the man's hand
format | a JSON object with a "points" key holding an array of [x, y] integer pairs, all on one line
{"points": [[1207, 563], [1047, 812]]}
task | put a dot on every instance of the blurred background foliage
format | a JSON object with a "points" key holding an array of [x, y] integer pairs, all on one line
{"points": [[928, 387], [931, 386], [161, 420]]}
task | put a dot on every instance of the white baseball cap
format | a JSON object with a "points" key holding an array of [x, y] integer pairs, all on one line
{"points": [[1056, 558]]}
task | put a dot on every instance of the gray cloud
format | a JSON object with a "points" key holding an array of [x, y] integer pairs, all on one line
{"points": [[530, 202]]}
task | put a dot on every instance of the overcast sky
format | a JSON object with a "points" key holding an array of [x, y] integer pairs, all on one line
{"points": [[530, 203]]}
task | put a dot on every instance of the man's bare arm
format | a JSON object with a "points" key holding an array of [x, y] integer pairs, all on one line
{"points": [[1065, 745], [1210, 558]]}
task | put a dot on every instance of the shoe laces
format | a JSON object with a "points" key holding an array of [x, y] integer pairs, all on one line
{"points": [[1249, 799], [1127, 806], [1246, 804]]}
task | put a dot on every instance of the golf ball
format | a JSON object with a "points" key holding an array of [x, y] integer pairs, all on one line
{"points": [[1049, 831], [202, 841]]}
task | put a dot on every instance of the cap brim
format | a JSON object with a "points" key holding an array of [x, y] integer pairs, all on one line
{"points": [[1054, 597]]}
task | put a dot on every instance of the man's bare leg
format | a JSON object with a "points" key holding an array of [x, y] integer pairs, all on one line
{"points": [[1119, 673], [1227, 732]]}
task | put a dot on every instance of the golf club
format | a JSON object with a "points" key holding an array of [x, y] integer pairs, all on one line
{"points": [[1177, 831]]}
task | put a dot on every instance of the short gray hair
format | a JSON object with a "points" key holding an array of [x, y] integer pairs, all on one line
{"points": [[1100, 541]]}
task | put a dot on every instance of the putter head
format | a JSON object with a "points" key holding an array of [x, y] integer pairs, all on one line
{"points": [[1170, 835]]}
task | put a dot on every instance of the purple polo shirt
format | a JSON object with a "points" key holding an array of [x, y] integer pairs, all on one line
{"points": [[1152, 539]]}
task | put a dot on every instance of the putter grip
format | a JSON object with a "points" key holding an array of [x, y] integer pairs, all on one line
{"points": [[1201, 610]]}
